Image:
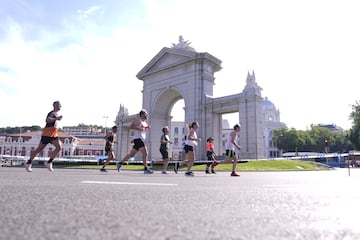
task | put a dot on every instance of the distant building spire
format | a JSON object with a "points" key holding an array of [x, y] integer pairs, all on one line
{"points": [[123, 112], [251, 85]]}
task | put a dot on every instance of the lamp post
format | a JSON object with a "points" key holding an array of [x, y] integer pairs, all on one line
{"points": [[90, 149], [19, 140], [326, 142], [106, 117]]}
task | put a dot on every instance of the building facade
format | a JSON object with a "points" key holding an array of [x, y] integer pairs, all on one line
{"points": [[84, 131], [21, 145]]}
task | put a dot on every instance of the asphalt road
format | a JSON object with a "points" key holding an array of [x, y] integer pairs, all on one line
{"points": [[87, 204]]}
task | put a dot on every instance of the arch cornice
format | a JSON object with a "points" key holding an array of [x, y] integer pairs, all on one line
{"points": [[169, 58]]}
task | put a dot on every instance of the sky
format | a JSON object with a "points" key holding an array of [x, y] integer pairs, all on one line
{"points": [[86, 53]]}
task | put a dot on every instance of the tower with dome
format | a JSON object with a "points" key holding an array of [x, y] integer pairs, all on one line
{"points": [[271, 121]]}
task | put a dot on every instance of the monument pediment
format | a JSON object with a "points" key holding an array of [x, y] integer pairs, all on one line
{"points": [[166, 58]]}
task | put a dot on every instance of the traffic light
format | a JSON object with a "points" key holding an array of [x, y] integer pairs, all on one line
{"points": [[326, 142]]}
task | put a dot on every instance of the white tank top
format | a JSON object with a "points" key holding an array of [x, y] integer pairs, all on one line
{"points": [[229, 145], [141, 134], [191, 142]]}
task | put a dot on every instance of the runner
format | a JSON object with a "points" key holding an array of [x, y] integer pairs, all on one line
{"points": [[49, 135], [231, 147], [109, 151], [210, 153], [141, 127], [164, 149], [191, 141]]}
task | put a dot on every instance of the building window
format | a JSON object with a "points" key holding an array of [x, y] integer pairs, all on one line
{"points": [[176, 130], [176, 141]]}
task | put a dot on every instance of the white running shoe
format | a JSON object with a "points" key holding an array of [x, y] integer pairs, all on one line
{"points": [[28, 167], [49, 166]]}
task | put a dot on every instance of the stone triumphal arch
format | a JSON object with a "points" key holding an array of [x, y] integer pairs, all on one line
{"points": [[180, 72]]}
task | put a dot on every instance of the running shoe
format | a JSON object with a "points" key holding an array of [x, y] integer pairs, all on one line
{"points": [[176, 167], [148, 171], [49, 166], [163, 172], [28, 167], [103, 170], [234, 174], [118, 166], [213, 171], [207, 171], [189, 174]]}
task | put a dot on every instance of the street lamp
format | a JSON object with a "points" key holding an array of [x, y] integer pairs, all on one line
{"points": [[19, 140], [90, 149], [106, 117]]}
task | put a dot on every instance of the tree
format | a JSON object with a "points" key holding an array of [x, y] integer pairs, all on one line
{"points": [[313, 140], [15, 130], [354, 132]]}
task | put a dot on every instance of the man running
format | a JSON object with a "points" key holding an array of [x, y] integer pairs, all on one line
{"points": [[49, 135], [141, 127]]}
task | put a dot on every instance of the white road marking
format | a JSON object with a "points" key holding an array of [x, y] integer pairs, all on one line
{"points": [[130, 183], [285, 185]]}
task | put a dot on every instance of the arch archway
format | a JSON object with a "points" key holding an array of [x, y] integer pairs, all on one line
{"points": [[160, 116], [182, 73]]}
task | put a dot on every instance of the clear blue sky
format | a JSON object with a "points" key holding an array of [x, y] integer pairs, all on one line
{"points": [[86, 54]]}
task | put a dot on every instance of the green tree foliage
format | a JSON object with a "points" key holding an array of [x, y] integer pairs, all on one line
{"points": [[313, 140], [34, 128], [354, 132], [15, 130]]}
